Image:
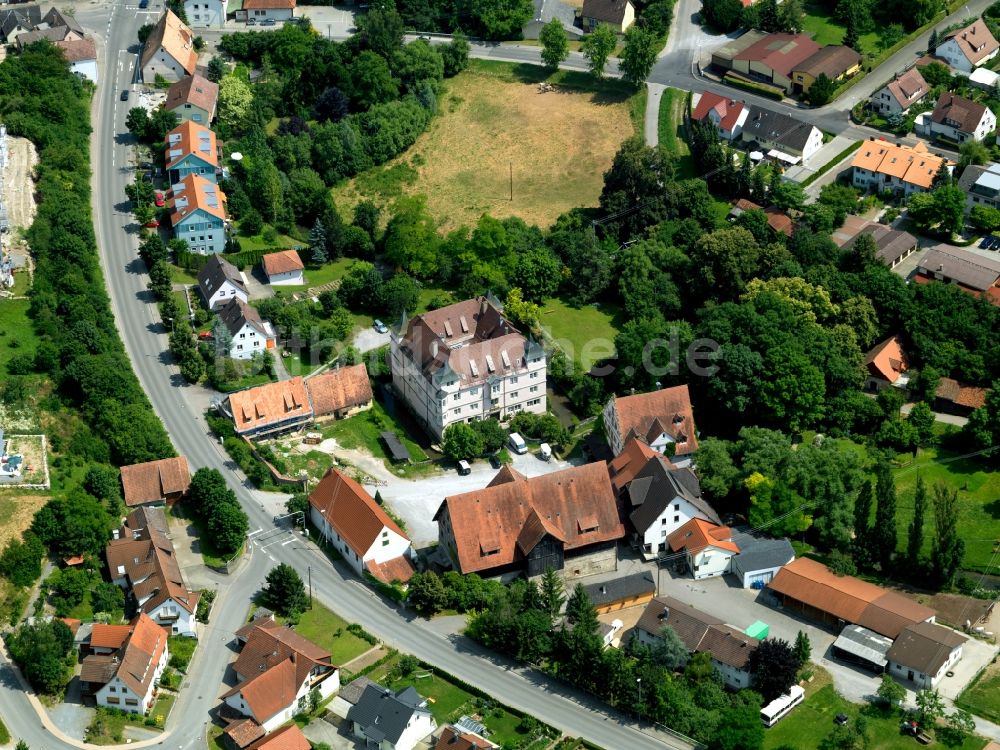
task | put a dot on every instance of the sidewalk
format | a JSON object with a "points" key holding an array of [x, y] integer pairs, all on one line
{"points": [[652, 120]]}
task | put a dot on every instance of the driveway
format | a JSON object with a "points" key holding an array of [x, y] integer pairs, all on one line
{"points": [[368, 339], [976, 655], [71, 716]]}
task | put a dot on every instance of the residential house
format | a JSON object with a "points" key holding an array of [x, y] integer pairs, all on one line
{"points": [[466, 362], [727, 115], [957, 119], [564, 520], [759, 559], [621, 592], [107, 639], [545, 11], [28, 21], [126, 679], [887, 364], [770, 58], [255, 11], [981, 185], [662, 417], [835, 61], [283, 268], [141, 559], [162, 482], [220, 281], [985, 79], [965, 49], [271, 409], [81, 54], [781, 136], [971, 272], [901, 93], [457, 738], [286, 738], [617, 14], [923, 653], [957, 398], [277, 670], [813, 590], [879, 165], [191, 149], [205, 13], [700, 632], [893, 245], [708, 547], [357, 527], [391, 721], [778, 220], [198, 214], [18, 19], [193, 98], [169, 50], [340, 393], [250, 334]]}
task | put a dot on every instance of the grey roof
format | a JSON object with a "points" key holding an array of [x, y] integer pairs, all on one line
{"points": [[546, 10], [381, 712], [468, 724], [215, 273], [395, 446], [352, 691], [657, 485], [981, 180], [236, 313], [776, 127], [25, 16], [624, 587], [56, 17], [761, 554], [864, 643], [968, 269]]}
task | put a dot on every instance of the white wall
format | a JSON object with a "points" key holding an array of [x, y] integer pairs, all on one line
{"points": [[421, 725], [225, 293], [186, 623], [747, 577], [678, 513], [710, 562], [278, 14], [388, 546], [165, 65], [204, 13], [122, 692], [733, 677], [247, 342], [379, 552], [950, 52], [920, 680], [291, 277], [86, 68]]}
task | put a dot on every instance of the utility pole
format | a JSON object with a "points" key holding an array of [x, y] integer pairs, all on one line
{"points": [[310, 586]]}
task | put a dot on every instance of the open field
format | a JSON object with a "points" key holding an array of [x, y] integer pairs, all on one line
{"points": [[982, 696], [17, 336], [496, 124], [586, 334], [16, 512], [327, 630]]}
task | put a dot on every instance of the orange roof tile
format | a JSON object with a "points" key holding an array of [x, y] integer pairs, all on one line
{"points": [[108, 636], [192, 193], [270, 692], [697, 534], [728, 110], [191, 138], [351, 511], [635, 454], [176, 38], [397, 569], [269, 404], [286, 738], [666, 410], [268, 4], [887, 360], [338, 389], [195, 90], [243, 732], [155, 480], [912, 164], [285, 261], [453, 738]]}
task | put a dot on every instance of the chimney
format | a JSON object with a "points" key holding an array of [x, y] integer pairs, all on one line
{"points": [[434, 349]]}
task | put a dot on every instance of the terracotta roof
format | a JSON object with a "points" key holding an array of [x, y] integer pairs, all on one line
{"points": [[665, 410], [975, 41], [397, 569], [195, 90], [924, 647], [781, 52], [194, 193], [778, 220], [338, 389], [269, 404], [728, 110], [141, 652], [697, 534], [634, 456], [848, 598], [262, 618], [72, 623], [236, 313], [108, 636], [177, 39], [74, 560], [266, 647], [154, 480], [609, 11], [271, 691], [912, 164], [833, 61], [244, 732], [502, 523], [908, 87], [98, 668], [286, 738], [191, 138], [961, 395], [351, 511], [958, 112], [268, 4], [77, 50], [453, 738], [887, 360], [285, 261]]}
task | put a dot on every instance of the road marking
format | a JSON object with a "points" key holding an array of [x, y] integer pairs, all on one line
{"points": [[255, 532], [288, 541]]}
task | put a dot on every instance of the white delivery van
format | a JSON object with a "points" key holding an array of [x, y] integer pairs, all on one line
{"points": [[517, 443], [463, 468], [545, 451]]}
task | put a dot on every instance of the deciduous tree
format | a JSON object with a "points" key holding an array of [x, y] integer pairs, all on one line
{"points": [[948, 547], [773, 667], [284, 592], [555, 43], [597, 48], [639, 54]]}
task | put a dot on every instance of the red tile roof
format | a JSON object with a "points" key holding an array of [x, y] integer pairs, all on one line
{"points": [[960, 394], [268, 4], [780, 52], [176, 38], [268, 646], [397, 569], [974, 41], [453, 738], [270, 692], [269, 404], [667, 410], [908, 87], [195, 90], [108, 636], [338, 389], [697, 534], [243, 732], [154, 480], [887, 360], [634, 456], [282, 262], [191, 138], [286, 738], [351, 511], [727, 109]]}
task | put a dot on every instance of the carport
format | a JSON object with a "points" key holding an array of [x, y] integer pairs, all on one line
{"points": [[864, 647]]}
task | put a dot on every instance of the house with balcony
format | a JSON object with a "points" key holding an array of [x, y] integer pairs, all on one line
{"points": [[191, 148], [880, 165], [781, 137], [126, 677], [198, 214]]}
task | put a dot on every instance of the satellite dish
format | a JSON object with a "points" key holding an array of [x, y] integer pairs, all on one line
{"points": [[236, 156]]}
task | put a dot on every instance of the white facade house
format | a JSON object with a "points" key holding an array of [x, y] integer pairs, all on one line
{"points": [[957, 119], [901, 93], [662, 418], [169, 50], [131, 676], [284, 268], [965, 49], [81, 54], [923, 653], [255, 11], [391, 721], [759, 559], [880, 165], [350, 520], [250, 333], [708, 547], [220, 281], [275, 696], [205, 13], [464, 363]]}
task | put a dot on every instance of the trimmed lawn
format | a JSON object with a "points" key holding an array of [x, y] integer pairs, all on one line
{"points": [[670, 119], [982, 697], [329, 631], [808, 725], [161, 709], [215, 741], [445, 698], [334, 271], [257, 242], [585, 334], [180, 276], [17, 336], [363, 430]]}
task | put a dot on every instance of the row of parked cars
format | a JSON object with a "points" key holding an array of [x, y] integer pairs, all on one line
{"points": [[990, 242], [516, 444]]}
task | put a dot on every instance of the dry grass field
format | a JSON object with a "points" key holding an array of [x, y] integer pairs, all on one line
{"points": [[496, 121], [16, 512]]}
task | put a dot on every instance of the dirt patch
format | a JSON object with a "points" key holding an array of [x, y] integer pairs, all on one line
{"points": [[16, 513], [556, 145], [18, 186], [368, 658]]}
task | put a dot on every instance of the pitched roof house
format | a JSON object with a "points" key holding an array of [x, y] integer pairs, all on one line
{"points": [[454, 738], [887, 364], [361, 531], [772, 57], [835, 61], [286, 738], [964, 49], [759, 559], [923, 652], [547, 10], [568, 518], [901, 93], [728, 115], [957, 398], [881, 165], [250, 333], [621, 592], [262, 10], [193, 98], [391, 721], [127, 679], [662, 417], [278, 669], [18, 19], [814, 590], [142, 560], [191, 148], [957, 119], [81, 54], [893, 245], [618, 14], [198, 214], [777, 219], [283, 267], [340, 392], [270, 409], [156, 482], [169, 50], [219, 281], [970, 271], [781, 136], [709, 547]]}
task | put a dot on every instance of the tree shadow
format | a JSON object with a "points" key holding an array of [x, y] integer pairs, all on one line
{"points": [[993, 508]]}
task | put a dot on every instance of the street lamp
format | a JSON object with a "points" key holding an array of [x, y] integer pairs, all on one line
{"points": [[171, 324], [638, 681]]}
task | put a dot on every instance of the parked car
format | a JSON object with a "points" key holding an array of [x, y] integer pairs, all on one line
{"points": [[159, 200], [495, 461], [517, 443], [152, 224], [124, 96], [251, 22], [463, 468], [143, 4], [379, 326], [268, 22]]}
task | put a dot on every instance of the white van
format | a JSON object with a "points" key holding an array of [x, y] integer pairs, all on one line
{"points": [[464, 469], [517, 443], [545, 451]]}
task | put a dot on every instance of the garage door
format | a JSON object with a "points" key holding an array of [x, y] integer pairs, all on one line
{"points": [[759, 580]]}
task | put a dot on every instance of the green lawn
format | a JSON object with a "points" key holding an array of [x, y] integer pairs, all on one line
{"points": [[982, 697], [670, 119], [17, 336], [334, 271], [179, 275], [4, 734], [161, 709], [585, 334], [181, 650], [329, 631], [363, 430], [216, 741], [810, 723], [257, 242]]}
